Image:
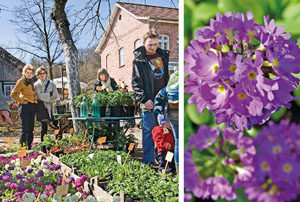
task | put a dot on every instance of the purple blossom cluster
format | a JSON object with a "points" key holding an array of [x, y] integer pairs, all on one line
{"points": [[215, 165], [277, 164], [241, 70]]}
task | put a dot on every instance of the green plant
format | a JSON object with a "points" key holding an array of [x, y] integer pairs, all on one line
{"points": [[102, 98], [79, 99], [48, 143], [114, 98], [128, 99]]}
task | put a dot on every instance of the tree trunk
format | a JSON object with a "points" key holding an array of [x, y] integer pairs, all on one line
{"points": [[71, 55], [50, 70]]}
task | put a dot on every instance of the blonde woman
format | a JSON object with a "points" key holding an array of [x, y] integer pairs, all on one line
{"points": [[47, 93], [24, 94]]}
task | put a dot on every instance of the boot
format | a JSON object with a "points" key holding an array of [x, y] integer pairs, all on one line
{"points": [[177, 168]]}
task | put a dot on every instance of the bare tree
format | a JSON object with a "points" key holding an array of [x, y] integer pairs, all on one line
{"points": [[33, 20]]}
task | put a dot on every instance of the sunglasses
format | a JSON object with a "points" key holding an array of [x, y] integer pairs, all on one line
{"points": [[42, 73]]}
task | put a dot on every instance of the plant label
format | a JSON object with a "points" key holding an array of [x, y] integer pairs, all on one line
{"points": [[21, 153], [131, 146], [119, 159], [85, 133], [169, 156], [99, 88], [9, 140], [101, 140], [56, 132], [66, 91], [26, 162], [62, 190], [71, 131]]}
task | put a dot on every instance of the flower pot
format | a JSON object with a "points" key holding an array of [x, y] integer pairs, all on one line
{"points": [[129, 111], [102, 111], [115, 111], [61, 109]]}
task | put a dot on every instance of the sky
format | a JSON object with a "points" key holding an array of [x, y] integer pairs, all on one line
{"points": [[8, 30]]}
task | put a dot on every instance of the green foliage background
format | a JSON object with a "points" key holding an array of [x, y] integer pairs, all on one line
{"points": [[197, 14]]}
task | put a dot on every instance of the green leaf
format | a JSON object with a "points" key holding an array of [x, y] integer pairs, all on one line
{"points": [[292, 12], [194, 115], [276, 116], [204, 11], [297, 93], [291, 26]]}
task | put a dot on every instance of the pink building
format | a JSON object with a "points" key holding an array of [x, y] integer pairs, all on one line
{"points": [[124, 33]]}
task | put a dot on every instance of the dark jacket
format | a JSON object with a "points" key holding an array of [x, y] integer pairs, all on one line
{"points": [[113, 85], [142, 76]]}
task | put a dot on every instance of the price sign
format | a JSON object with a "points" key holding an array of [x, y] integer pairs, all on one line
{"points": [[62, 190], [66, 91], [56, 132], [101, 140], [71, 131], [9, 140], [21, 153], [119, 159], [26, 162], [169, 156], [85, 133], [131, 146]]}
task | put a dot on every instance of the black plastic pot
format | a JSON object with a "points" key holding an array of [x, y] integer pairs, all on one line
{"points": [[102, 111], [61, 109], [128, 111], [115, 111]]}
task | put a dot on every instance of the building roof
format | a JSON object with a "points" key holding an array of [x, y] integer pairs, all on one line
{"points": [[141, 12], [10, 58], [146, 11]]}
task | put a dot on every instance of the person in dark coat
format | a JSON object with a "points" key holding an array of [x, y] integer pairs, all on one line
{"points": [[149, 76], [104, 82]]}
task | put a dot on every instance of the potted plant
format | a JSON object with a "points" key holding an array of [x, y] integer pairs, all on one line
{"points": [[103, 100], [128, 103], [114, 103], [61, 107]]}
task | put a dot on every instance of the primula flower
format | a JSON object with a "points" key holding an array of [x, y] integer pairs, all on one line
{"points": [[78, 183], [210, 174], [240, 70], [277, 164]]}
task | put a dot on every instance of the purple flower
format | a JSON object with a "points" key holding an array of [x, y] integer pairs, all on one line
{"points": [[83, 177], [240, 70], [19, 176], [13, 186], [40, 173], [78, 183], [231, 135], [216, 187], [29, 170], [246, 150], [191, 175], [59, 181], [187, 197], [21, 188], [205, 137]]}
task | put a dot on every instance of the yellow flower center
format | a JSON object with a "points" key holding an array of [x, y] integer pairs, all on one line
{"points": [[265, 166], [242, 150], [221, 88], [275, 62], [276, 149], [215, 67], [271, 138], [208, 141], [225, 48], [232, 68], [217, 34], [299, 143], [229, 35], [241, 96], [287, 167], [251, 35], [252, 75]]}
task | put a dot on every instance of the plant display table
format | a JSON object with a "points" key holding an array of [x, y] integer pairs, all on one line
{"points": [[114, 121]]}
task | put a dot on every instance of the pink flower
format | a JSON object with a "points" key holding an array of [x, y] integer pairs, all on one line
{"points": [[83, 177], [40, 184], [13, 186], [78, 183]]}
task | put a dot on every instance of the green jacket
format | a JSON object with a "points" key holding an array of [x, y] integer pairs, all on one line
{"points": [[3, 104]]}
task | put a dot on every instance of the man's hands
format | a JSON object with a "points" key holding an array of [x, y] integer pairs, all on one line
{"points": [[4, 117], [149, 105]]}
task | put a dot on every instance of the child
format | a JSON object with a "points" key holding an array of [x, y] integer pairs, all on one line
{"points": [[164, 141]]}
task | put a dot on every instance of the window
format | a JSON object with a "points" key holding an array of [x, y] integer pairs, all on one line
{"points": [[122, 57], [163, 42], [107, 61], [7, 91], [137, 43]]}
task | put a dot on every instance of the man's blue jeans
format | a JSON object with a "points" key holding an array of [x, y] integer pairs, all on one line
{"points": [[174, 125], [149, 121]]}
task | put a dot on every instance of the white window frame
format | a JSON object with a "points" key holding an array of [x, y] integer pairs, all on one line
{"points": [[7, 95], [164, 42], [121, 57]]}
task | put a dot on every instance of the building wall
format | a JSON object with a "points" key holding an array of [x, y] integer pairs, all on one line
{"points": [[125, 32]]}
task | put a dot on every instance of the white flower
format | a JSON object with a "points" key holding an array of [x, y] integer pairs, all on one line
{"points": [[13, 162], [78, 194], [6, 166], [74, 198], [43, 197], [18, 164], [58, 198], [18, 160], [28, 197]]}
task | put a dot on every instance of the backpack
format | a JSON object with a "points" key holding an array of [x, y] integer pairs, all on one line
{"points": [[172, 90]]}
